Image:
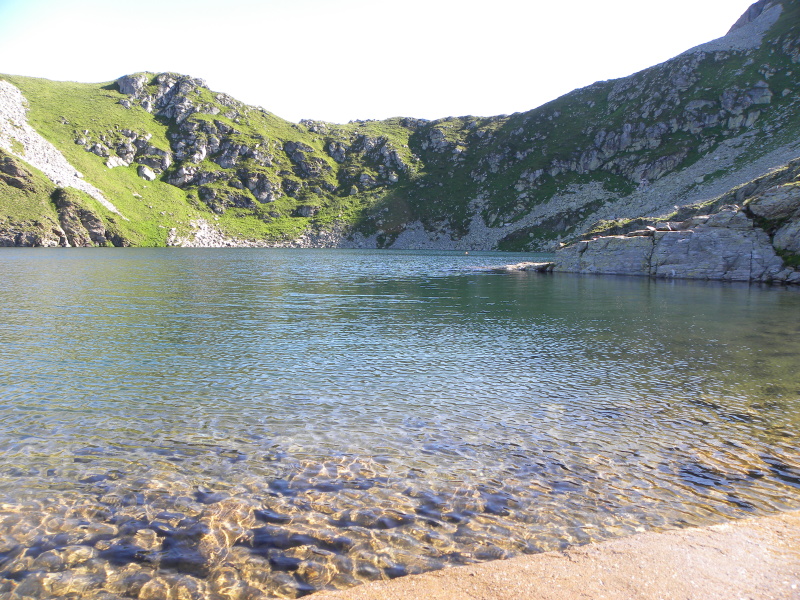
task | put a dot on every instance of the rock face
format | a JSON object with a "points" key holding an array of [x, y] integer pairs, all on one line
{"points": [[613, 255], [788, 237], [124, 147], [725, 246], [66, 218], [711, 252], [743, 235], [752, 13], [10, 238], [81, 226]]}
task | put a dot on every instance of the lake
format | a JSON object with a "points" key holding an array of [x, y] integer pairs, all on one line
{"points": [[249, 423]]}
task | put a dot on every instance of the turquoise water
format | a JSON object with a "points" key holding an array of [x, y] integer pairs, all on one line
{"points": [[246, 423]]}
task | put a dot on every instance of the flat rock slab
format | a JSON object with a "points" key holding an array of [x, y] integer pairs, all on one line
{"points": [[753, 559], [539, 267]]}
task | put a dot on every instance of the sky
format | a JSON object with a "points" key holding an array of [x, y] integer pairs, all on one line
{"points": [[342, 60]]}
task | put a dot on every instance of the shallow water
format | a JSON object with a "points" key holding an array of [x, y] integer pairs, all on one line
{"points": [[254, 423]]}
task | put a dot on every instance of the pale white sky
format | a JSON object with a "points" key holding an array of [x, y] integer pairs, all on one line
{"points": [[338, 60]]}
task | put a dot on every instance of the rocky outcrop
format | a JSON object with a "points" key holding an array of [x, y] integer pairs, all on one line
{"points": [[787, 238], [125, 147], [170, 95], [68, 222], [729, 251], [751, 14], [40, 236], [750, 233], [778, 209], [607, 255], [252, 169], [81, 226], [725, 246], [14, 174]]}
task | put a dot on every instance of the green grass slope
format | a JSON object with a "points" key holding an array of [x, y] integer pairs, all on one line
{"points": [[255, 176]]}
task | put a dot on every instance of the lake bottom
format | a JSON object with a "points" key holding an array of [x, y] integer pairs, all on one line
{"points": [[253, 424]]}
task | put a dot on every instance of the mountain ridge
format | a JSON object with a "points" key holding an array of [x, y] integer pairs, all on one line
{"points": [[176, 159]]}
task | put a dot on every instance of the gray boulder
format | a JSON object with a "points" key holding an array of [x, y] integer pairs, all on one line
{"points": [[131, 85], [182, 176], [116, 161], [126, 151], [779, 202], [729, 218], [337, 151], [146, 173], [788, 237], [100, 150], [261, 187], [306, 210]]}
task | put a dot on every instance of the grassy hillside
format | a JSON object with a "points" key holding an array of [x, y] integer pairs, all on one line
{"points": [[514, 182]]}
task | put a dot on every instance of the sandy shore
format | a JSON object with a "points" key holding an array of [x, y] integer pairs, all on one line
{"points": [[752, 559]]}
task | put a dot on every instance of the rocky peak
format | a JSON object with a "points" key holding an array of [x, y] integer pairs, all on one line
{"points": [[752, 13], [167, 94]]}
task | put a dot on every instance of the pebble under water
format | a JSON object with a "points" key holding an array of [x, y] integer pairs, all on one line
{"points": [[258, 423]]}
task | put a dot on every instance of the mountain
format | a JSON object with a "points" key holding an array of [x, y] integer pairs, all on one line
{"points": [[160, 159]]}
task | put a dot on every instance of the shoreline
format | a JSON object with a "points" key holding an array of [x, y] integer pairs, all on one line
{"points": [[756, 558]]}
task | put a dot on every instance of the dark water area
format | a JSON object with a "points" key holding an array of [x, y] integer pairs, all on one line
{"points": [[251, 423]]}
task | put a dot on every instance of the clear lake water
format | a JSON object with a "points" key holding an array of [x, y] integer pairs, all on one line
{"points": [[254, 423]]}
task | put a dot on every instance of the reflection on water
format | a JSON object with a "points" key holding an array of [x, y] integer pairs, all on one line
{"points": [[259, 423]]}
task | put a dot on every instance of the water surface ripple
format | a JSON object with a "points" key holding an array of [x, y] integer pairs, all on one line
{"points": [[249, 423]]}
